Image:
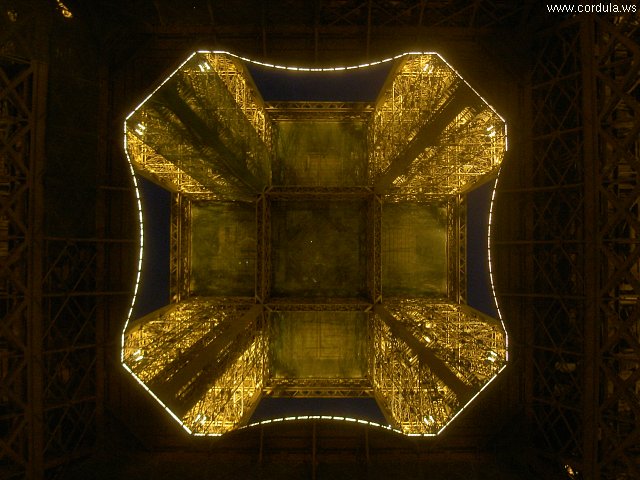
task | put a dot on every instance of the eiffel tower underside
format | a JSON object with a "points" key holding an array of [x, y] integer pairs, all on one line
{"points": [[318, 249]]}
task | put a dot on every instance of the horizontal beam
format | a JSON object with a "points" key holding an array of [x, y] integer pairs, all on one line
{"points": [[318, 193], [320, 304]]}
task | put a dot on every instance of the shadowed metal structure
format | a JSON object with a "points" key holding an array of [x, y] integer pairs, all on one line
{"points": [[564, 243]]}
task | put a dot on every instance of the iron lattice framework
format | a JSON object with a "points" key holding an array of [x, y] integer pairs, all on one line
{"points": [[577, 246], [20, 351], [208, 361], [53, 291]]}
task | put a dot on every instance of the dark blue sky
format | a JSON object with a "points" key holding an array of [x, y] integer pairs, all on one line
{"points": [[153, 292], [358, 85]]}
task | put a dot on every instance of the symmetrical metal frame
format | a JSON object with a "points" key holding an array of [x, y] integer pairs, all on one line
{"points": [[426, 104]]}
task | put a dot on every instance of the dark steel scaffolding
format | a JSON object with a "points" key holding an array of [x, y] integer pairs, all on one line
{"points": [[575, 245]]}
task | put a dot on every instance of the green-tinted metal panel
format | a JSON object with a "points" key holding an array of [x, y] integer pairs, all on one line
{"points": [[414, 254], [319, 248], [320, 345], [223, 249], [322, 153]]}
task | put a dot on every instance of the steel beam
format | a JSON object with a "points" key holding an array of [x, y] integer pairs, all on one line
{"points": [[204, 363], [427, 136], [426, 355]]}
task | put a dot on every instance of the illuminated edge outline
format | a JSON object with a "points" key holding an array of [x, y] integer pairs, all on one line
{"points": [[141, 223]]}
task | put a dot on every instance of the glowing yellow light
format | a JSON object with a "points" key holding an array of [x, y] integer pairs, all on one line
{"points": [[62, 8]]}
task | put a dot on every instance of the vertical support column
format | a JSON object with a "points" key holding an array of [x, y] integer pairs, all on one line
{"points": [[263, 253], [35, 240], [461, 218], [457, 248], [591, 267], [180, 252], [374, 269]]}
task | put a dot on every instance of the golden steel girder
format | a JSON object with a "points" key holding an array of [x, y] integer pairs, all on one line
{"points": [[202, 359], [431, 134], [203, 132]]}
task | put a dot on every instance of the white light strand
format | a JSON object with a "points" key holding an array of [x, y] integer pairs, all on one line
{"points": [[335, 418], [141, 244], [490, 259]]}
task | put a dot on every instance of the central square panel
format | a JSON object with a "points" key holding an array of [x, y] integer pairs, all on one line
{"points": [[327, 153], [319, 248], [414, 250], [321, 345]]}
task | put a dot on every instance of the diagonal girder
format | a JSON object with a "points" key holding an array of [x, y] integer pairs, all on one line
{"points": [[426, 355], [209, 138], [185, 387], [427, 136]]}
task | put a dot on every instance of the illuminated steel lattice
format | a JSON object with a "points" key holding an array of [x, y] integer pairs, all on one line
{"points": [[254, 170]]}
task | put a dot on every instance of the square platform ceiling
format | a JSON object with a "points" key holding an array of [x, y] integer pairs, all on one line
{"points": [[326, 153], [414, 250], [322, 345], [223, 249], [319, 248]]}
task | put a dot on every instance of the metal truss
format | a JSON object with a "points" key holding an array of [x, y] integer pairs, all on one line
{"points": [[346, 30], [319, 111], [352, 13], [300, 193], [411, 396], [193, 353], [431, 135], [472, 344], [612, 185], [318, 388], [576, 243], [292, 304], [263, 253], [232, 397], [221, 125], [70, 375], [180, 245], [420, 13], [555, 299], [457, 248], [203, 357], [162, 171], [52, 287], [153, 342], [22, 99], [238, 81], [374, 232]]}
